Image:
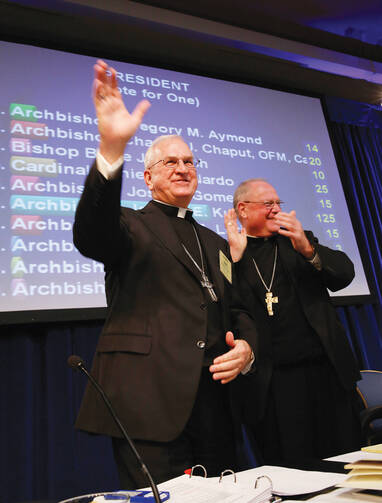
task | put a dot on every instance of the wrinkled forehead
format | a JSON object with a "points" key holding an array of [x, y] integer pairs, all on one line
{"points": [[261, 191], [173, 147]]}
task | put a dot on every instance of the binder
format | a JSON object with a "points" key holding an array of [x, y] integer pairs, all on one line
{"points": [[192, 488]]}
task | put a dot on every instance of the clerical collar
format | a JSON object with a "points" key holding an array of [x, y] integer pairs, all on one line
{"points": [[173, 211], [261, 238], [258, 240]]}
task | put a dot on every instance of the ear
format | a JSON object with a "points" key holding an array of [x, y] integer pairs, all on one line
{"points": [[148, 179], [242, 211]]}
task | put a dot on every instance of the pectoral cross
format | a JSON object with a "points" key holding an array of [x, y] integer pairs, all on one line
{"points": [[206, 283], [269, 300]]}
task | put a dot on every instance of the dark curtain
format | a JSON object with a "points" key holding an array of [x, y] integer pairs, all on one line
{"points": [[359, 150], [44, 458]]}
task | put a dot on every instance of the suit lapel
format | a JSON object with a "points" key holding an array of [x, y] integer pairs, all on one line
{"points": [[211, 250], [158, 223]]}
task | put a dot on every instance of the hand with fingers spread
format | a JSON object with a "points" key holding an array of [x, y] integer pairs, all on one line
{"points": [[115, 124], [291, 227], [237, 239], [228, 366]]}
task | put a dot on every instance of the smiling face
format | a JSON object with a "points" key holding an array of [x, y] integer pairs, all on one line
{"points": [[256, 218], [175, 185]]}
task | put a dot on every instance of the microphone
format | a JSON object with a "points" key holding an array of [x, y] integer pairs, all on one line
{"points": [[77, 363]]}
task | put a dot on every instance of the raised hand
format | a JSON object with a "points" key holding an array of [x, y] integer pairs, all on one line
{"points": [[115, 124], [237, 239], [291, 227]]}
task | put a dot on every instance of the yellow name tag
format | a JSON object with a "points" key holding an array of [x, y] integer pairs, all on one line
{"points": [[225, 266]]}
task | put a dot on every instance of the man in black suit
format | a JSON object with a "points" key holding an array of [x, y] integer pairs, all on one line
{"points": [[304, 405], [174, 331]]}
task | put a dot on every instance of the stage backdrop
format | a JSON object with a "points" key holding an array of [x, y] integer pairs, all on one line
{"points": [[42, 457]]}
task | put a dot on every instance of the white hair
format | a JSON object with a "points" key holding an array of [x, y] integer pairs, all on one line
{"points": [[150, 153], [242, 190]]}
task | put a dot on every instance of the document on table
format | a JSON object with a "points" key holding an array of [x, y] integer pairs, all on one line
{"points": [[195, 489], [290, 481], [275, 480], [352, 457]]}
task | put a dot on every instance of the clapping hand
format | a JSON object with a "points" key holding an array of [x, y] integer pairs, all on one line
{"points": [[237, 239], [291, 227]]}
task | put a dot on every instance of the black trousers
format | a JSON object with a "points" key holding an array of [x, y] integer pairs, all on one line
{"points": [[207, 439], [309, 417]]}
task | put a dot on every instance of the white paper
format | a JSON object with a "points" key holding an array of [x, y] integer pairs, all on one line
{"points": [[184, 489], [289, 481], [285, 482], [351, 457]]}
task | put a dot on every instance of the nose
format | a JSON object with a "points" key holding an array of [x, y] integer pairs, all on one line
{"points": [[276, 208], [180, 166]]}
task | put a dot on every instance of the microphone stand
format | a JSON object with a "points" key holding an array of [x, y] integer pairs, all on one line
{"points": [[76, 363]]}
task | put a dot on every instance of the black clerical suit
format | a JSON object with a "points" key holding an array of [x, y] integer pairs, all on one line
{"points": [[304, 404], [160, 330]]}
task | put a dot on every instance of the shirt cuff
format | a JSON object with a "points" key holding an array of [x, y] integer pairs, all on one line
{"points": [[248, 367], [105, 168], [315, 261]]}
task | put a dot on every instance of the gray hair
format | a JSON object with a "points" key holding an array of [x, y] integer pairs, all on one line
{"points": [[150, 153], [242, 190]]}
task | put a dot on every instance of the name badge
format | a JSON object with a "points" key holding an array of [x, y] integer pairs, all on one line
{"points": [[225, 266]]}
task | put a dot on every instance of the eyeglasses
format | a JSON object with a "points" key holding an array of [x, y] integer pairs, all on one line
{"points": [[172, 163], [268, 204]]}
